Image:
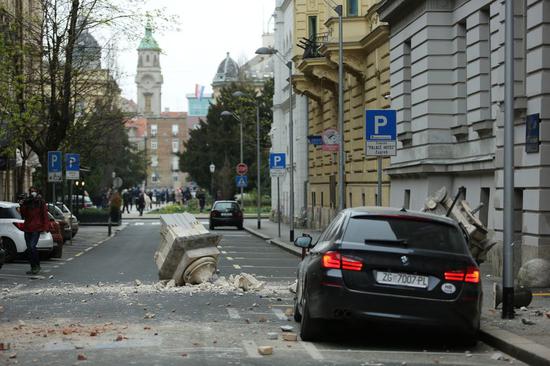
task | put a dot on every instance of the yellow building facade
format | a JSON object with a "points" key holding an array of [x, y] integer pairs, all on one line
{"points": [[366, 75]]}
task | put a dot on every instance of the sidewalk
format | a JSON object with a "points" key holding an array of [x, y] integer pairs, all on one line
{"points": [[527, 337]]}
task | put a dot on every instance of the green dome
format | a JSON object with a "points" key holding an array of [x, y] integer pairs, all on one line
{"points": [[148, 42]]}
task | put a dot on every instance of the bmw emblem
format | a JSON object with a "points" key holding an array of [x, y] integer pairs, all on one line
{"points": [[405, 260]]}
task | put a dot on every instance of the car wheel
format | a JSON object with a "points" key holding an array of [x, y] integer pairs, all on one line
{"points": [[57, 252], [240, 227], [310, 329], [10, 249], [211, 227]]}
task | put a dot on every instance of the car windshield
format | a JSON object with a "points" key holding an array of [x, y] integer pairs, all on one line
{"points": [[405, 232], [55, 211], [62, 207], [9, 213], [226, 206]]}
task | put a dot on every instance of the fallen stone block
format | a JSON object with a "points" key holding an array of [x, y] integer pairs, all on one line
{"points": [[535, 273], [290, 337], [265, 350]]}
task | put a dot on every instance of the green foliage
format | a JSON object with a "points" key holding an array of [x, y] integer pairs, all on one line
{"points": [[93, 215], [218, 140]]}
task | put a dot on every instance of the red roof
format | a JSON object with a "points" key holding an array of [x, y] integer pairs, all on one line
{"points": [[139, 123], [174, 114]]}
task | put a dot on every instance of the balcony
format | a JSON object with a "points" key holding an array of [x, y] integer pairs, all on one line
{"points": [[312, 45]]}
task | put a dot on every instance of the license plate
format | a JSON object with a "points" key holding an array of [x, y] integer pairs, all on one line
{"points": [[401, 279], [227, 214]]}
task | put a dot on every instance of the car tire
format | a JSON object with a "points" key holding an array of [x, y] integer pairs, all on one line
{"points": [[10, 249], [240, 227], [211, 227], [310, 328], [57, 252]]}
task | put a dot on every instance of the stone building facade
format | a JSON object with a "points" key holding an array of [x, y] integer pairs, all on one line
{"points": [[447, 84], [366, 83], [149, 78], [284, 43]]}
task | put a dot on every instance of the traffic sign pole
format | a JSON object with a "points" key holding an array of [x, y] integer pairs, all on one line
{"points": [[379, 196]]}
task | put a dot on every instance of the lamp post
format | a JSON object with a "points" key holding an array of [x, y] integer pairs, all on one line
{"points": [[240, 94], [231, 114], [273, 51], [212, 170]]}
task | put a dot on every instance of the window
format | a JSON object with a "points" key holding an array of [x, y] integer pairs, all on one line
{"points": [[155, 178], [154, 130], [407, 199], [175, 130], [175, 163], [175, 146], [363, 199], [147, 58], [148, 103], [154, 144], [312, 26], [353, 8], [409, 233], [154, 160]]}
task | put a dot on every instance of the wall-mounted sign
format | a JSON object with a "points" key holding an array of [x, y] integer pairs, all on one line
{"points": [[331, 138], [315, 140]]}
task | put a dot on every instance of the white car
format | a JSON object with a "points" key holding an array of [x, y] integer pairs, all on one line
{"points": [[12, 235]]}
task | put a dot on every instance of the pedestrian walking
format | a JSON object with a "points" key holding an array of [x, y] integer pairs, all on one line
{"points": [[141, 203], [148, 202], [127, 199], [202, 199], [35, 214]]}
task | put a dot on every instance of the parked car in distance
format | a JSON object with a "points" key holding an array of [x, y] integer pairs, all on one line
{"points": [[13, 237], [63, 221], [77, 201], [68, 214], [226, 213], [391, 266], [57, 236]]}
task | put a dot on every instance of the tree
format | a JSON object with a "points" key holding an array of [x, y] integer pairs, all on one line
{"points": [[218, 139]]}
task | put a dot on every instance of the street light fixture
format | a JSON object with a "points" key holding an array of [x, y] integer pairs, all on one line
{"points": [[231, 114], [240, 94], [273, 51], [212, 170]]}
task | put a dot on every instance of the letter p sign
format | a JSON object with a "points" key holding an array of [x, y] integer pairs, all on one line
{"points": [[379, 121]]}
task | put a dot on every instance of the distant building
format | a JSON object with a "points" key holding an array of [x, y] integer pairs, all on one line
{"points": [[198, 109], [228, 72]]}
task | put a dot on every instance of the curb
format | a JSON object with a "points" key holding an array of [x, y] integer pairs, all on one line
{"points": [[516, 346], [284, 246]]}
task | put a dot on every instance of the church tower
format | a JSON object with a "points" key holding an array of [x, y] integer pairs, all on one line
{"points": [[149, 76]]}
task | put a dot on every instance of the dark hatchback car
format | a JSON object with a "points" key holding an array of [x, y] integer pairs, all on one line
{"points": [[226, 213], [391, 266]]}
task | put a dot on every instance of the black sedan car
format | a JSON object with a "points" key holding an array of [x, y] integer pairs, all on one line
{"points": [[2, 256], [226, 213], [389, 265]]}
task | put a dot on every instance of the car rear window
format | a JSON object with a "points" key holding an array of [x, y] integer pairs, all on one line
{"points": [[224, 206], [9, 213], [409, 233]]}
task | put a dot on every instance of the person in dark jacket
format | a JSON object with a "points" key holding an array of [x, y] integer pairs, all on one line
{"points": [[35, 214]]}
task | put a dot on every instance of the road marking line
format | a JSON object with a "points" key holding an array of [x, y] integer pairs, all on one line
{"points": [[279, 314], [55, 266], [251, 349], [312, 350], [95, 245], [139, 224], [236, 266], [541, 294], [78, 254], [283, 306], [229, 258], [277, 267], [88, 249], [233, 314], [70, 259], [224, 252]]}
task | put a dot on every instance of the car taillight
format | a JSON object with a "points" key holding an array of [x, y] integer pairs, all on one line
{"points": [[471, 275], [19, 225], [334, 260], [238, 214]]}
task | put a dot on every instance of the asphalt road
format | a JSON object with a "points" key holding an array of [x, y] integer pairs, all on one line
{"points": [[103, 303]]}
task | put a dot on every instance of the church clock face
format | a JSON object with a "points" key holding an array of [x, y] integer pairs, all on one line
{"points": [[147, 82]]}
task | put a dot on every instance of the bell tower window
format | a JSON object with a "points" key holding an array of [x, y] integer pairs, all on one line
{"points": [[148, 103]]}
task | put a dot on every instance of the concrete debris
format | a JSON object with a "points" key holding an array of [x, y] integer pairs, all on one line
{"points": [[523, 308], [81, 357], [289, 312], [4, 346], [287, 328], [170, 284], [246, 282], [535, 273], [137, 283], [527, 321], [119, 338], [538, 313], [292, 287], [290, 337], [149, 316], [265, 350], [50, 277], [497, 356], [547, 314], [13, 355], [373, 363], [272, 336], [21, 323]]}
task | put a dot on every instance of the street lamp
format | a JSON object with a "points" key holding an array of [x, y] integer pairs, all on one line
{"points": [[239, 94], [231, 114], [273, 51], [212, 170]]}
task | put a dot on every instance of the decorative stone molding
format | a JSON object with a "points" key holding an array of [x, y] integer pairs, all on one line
{"points": [[304, 86]]}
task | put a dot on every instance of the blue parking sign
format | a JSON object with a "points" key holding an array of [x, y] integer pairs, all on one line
{"points": [[277, 161], [241, 181], [72, 166], [55, 173], [380, 132]]}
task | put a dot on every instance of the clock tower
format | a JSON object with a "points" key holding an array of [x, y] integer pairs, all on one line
{"points": [[149, 76]]}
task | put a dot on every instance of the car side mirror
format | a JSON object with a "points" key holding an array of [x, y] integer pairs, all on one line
{"points": [[303, 241]]}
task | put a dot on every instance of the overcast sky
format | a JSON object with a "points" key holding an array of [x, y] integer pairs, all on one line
{"points": [[207, 30]]}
